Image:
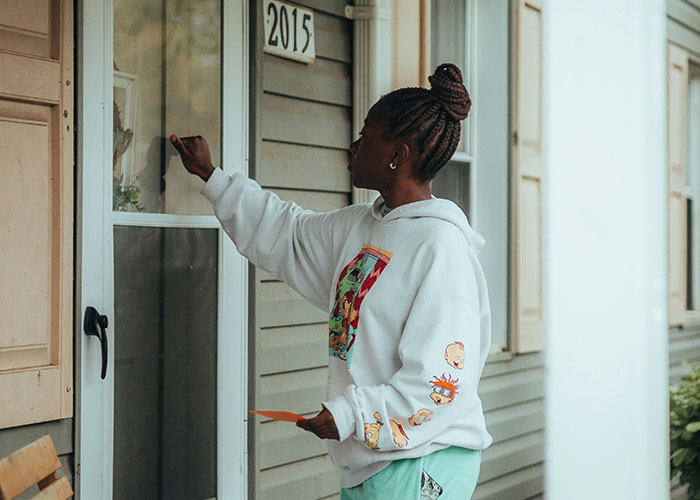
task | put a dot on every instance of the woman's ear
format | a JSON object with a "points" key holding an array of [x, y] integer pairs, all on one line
{"points": [[401, 153]]}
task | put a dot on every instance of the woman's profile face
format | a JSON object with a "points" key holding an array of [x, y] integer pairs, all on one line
{"points": [[370, 154]]}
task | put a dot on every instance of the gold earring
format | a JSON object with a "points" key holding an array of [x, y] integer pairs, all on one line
{"points": [[392, 166]]}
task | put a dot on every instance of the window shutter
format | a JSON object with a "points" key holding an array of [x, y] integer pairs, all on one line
{"points": [[527, 230], [677, 232], [410, 43], [36, 212]]}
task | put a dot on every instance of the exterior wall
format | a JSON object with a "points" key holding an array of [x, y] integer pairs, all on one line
{"points": [[683, 29], [512, 392], [61, 432], [302, 115], [302, 118]]}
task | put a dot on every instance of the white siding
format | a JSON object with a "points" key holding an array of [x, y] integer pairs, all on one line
{"points": [[304, 122]]}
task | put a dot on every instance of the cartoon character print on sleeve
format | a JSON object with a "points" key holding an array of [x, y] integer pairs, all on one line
{"points": [[444, 389], [454, 355], [372, 431], [400, 437], [354, 282], [420, 417]]}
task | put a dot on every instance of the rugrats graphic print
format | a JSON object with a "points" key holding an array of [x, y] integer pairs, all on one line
{"points": [[354, 282]]}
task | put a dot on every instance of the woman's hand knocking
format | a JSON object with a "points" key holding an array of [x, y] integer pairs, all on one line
{"points": [[195, 155], [322, 425]]}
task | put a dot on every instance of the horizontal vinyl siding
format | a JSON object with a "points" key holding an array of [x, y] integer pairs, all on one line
{"points": [[306, 113], [512, 392], [683, 29], [61, 432]]}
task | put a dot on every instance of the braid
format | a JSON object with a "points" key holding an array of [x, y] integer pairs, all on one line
{"points": [[430, 117]]}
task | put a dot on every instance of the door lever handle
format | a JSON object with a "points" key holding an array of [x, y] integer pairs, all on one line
{"points": [[96, 324]]}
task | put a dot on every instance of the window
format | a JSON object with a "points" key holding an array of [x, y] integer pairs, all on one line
{"points": [[692, 193], [474, 35]]}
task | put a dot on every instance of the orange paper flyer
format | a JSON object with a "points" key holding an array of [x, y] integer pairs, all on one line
{"points": [[283, 416]]}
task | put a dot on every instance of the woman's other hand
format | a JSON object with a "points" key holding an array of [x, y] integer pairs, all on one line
{"points": [[322, 425], [195, 155]]}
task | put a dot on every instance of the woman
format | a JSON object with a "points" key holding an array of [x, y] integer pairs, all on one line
{"points": [[410, 324]]}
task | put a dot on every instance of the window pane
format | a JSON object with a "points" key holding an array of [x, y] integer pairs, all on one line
{"points": [[167, 63], [448, 39], [452, 183], [165, 345]]}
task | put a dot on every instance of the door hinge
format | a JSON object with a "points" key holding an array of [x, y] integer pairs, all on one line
{"points": [[515, 137]]}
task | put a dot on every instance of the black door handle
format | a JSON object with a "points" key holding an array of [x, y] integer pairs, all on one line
{"points": [[96, 324]]}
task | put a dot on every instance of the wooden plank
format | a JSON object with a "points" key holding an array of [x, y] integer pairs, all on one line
{"points": [[308, 479], [333, 38], [30, 78], [22, 406], [683, 37], [279, 305], [529, 481], [282, 443], [59, 490], [515, 454], [305, 122], [325, 80], [61, 432], [27, 466], [502, 391], [335, 7], [300, 392], [517, 420], [684, 13], [683, 333], [294, 166], [317, 201], [293, 348], [518, 363], [687, 349], [33, 19]]}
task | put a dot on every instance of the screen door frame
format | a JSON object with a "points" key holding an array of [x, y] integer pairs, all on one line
{"points": [[94, 281]]}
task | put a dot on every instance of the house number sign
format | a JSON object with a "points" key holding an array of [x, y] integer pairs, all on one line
{"points": [[289, 31]]}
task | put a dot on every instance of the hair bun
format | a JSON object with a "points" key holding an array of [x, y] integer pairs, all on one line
{"points": [[447, 87]]}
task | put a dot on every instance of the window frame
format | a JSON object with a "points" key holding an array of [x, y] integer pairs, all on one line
{"points": [[500, 287]]}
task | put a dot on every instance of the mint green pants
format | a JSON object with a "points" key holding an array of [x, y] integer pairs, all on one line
{"points": [[448, 474]]}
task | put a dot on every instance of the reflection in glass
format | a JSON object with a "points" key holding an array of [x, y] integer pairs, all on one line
{"points": [[165, 344], [167, 63]]}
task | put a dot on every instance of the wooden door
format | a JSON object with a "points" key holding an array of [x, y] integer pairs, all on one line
{"points": [[36, 211]]}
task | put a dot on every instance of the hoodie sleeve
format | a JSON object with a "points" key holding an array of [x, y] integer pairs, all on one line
{"points": [[293, 244], [441, 351]]}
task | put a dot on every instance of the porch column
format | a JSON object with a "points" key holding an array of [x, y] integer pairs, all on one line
{"points": [[605, 250]]}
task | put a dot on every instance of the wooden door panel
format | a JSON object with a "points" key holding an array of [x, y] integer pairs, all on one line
{"points": [[25, 77], [36, 211], [31, 27], [28, 245]]}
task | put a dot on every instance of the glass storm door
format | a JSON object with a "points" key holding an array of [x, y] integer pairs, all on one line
{"points": [[167, 419]]}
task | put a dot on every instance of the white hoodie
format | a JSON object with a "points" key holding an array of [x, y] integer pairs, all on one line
{"points": [[409, 326]]}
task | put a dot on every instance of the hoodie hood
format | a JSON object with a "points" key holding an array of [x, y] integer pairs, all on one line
{"points": [[439, 208]]}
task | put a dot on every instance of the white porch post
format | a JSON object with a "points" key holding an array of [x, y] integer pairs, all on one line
{"points": [[605, 250], [371, 65]]}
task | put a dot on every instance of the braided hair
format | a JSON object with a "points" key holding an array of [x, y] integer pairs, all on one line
{"points": [[431, 118]]}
